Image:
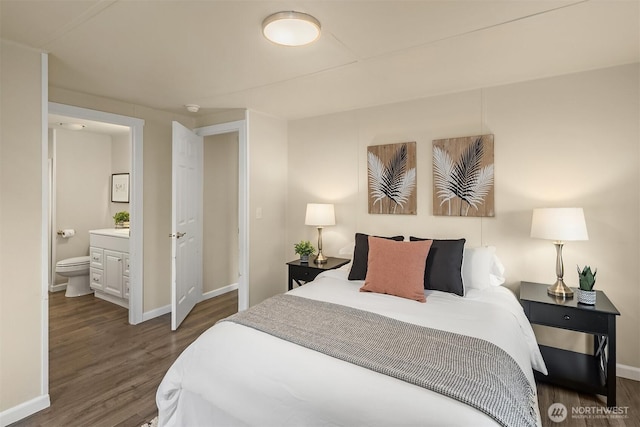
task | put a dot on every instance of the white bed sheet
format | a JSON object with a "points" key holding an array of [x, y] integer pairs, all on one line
{"points": [[236, 376]]}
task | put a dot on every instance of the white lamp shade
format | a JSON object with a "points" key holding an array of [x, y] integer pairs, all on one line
{"points": [[320, 214], [291, 28], [559, 224]]}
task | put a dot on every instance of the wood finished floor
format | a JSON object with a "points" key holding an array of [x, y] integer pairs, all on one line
{"points": [[105, 372]]}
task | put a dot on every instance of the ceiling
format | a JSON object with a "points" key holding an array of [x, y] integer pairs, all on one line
{"points": [[167, 53]]}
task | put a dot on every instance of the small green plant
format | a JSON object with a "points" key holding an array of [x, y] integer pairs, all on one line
{"points": [[120, 217], [304, 247], [587, 278]]}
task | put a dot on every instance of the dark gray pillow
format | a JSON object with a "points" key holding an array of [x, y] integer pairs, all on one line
{"points": [[443, 271], [361, 255]]}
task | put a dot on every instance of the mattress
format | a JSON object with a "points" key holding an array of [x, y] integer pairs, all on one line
{"points": [[233, 375]]}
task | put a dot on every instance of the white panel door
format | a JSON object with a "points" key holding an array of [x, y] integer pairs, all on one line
{"points": [[186, 223]]}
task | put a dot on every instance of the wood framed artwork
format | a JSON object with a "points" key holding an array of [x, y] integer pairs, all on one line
{"points": [[463, 176], [120, 188], [392, 178]]}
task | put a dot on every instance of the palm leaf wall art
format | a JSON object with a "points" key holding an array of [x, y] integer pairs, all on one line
{"points": [[392, 178], [463, 176]]}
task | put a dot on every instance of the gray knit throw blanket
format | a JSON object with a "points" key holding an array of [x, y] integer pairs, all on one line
{"points": [[471, 370]]}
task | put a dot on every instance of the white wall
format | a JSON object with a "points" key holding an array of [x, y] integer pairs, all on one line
{"points": [[564, 141]]}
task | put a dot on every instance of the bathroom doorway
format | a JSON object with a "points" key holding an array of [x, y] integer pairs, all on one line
{"points": [[119, 139]]}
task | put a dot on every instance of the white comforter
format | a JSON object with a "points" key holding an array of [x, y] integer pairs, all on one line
{"points": [[236, 376]]}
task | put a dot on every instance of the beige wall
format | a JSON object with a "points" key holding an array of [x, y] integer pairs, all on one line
{"points": [[220, 211], [21, 269], [564, 141], [268, 189]]}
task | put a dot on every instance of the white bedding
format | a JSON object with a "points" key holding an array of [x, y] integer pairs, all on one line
{"points": [[235, 376]]}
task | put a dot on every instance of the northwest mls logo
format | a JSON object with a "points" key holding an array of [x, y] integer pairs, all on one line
{"points": [[557, 412]]}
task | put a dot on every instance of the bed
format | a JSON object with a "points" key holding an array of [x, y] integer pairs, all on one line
{"points": [[239, 375]]}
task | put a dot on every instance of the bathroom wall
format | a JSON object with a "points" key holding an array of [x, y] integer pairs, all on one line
{"points": [[84, 164], [220, 211], [120, 163]]}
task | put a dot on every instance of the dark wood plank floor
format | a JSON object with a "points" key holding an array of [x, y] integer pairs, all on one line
{"points": [[105, 372]]}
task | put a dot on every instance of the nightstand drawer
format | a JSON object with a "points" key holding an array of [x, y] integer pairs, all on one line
{"points": [[305, 274], [568, 318]]}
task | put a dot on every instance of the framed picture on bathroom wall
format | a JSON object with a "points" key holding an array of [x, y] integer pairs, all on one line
{"points": [[120, 188]]}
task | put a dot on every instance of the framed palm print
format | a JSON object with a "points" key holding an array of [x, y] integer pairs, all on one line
{"points": [[392, 178], [463, 176]]}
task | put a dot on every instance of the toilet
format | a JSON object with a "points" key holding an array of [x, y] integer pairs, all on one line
{"points": [[77, 270]]}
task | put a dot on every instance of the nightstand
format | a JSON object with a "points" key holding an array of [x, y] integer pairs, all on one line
{"points": [[588, 373], [303, 272]]}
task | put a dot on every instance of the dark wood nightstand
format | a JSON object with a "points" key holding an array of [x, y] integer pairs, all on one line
{"points": [[303, 272], [587, 373]]}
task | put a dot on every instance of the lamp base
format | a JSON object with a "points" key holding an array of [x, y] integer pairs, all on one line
{"points": [[560, 290], [320, 259]]}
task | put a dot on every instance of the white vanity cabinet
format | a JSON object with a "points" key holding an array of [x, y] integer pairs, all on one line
{"points": [[109, 254]]}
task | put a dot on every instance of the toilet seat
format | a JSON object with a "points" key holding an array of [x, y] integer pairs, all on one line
{"points": [[73, 264]]}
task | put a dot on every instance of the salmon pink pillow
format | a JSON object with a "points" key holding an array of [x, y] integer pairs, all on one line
{"points": [[397, 268]]}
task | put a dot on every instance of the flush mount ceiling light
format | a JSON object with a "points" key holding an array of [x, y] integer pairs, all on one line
{"points": [[71, 126], [291, 28]]}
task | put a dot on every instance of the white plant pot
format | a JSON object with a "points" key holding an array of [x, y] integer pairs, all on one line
{"points": [[586, 297]]}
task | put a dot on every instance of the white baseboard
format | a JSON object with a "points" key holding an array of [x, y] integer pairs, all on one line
{"points": [[207, 295], [628, 372], [23, 410], [220, 291], [58, 288], [156, 312]]}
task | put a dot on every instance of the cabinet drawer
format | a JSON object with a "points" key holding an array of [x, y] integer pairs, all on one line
{"points": [[96, 279], [305, 274], [97, 257], [568, 318]]}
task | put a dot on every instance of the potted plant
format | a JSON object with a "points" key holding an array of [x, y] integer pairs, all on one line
{"points": [[304, 248], [586, 294], [121, 219]]}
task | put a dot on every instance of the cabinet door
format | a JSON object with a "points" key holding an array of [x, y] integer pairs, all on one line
{"points": [[113, 266]]}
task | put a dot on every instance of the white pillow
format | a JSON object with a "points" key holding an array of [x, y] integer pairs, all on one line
{"points": [[496, 277], [481, 268]]}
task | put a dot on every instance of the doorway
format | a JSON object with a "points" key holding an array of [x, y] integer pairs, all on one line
{"points": [[220, 245], [134, 128], [238, 128], [187, 217]]}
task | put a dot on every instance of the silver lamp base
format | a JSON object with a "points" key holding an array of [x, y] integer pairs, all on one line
{"points": [[560, 290]]}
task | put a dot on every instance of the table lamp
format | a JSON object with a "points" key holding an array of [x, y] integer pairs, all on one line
{"points": [[320, 215], [559, 225]]}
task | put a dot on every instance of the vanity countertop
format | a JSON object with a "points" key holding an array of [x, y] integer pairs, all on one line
{"points": [[112, 232]]}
